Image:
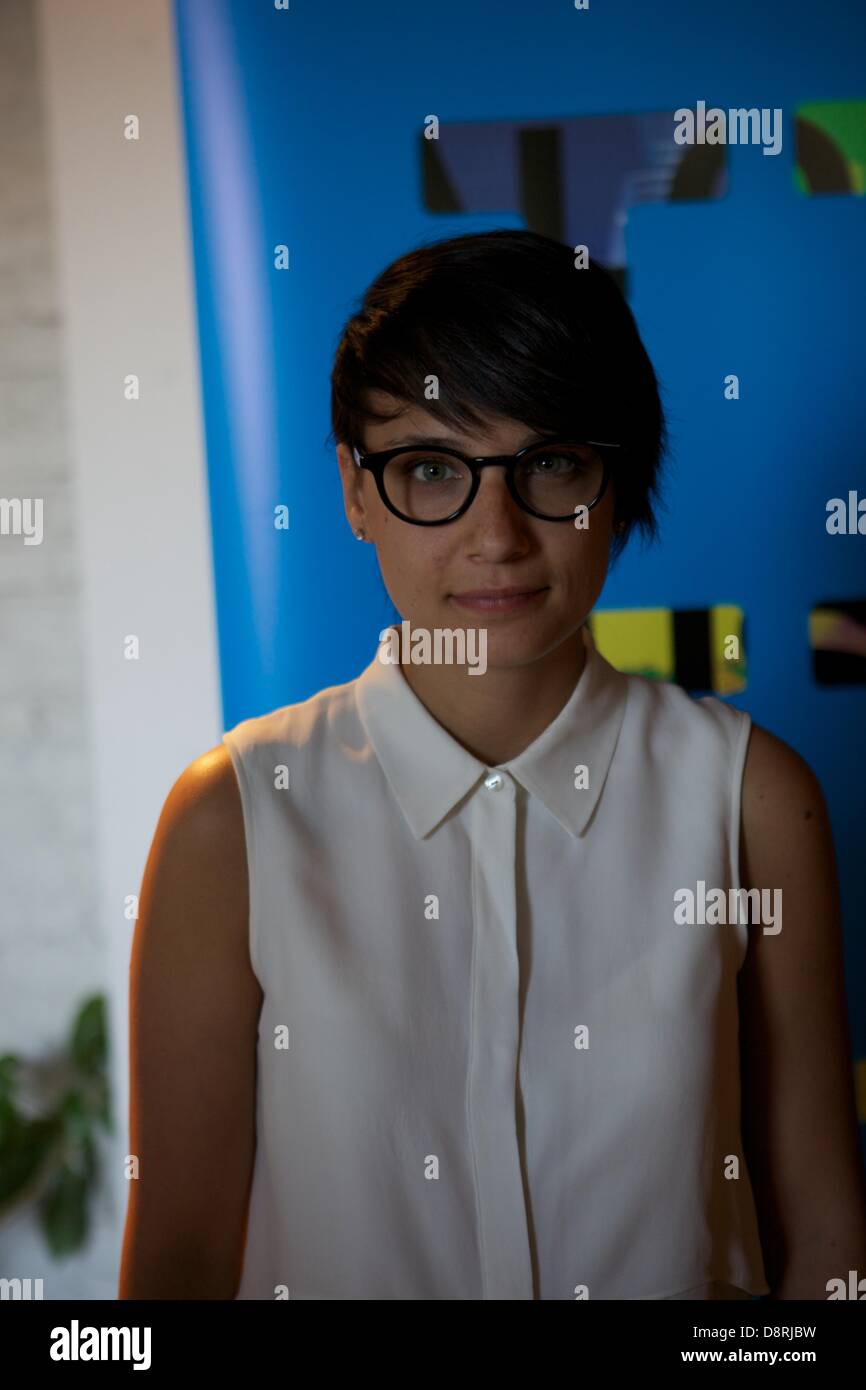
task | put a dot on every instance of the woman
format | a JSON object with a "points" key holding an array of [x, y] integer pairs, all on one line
{"points": [[416, 1009]]}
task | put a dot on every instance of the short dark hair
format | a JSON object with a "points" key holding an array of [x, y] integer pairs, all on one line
{"points": [[509, 326]]}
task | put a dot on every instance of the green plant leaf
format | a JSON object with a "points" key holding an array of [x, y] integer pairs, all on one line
{"points": [[100, 1101], [27, 1145], [89, 1044], [63, 1212], [54, 1159], [10, 1122], [9, 1064], [74, 1115]]}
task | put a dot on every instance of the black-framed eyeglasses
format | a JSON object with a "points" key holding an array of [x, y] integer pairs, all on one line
{"points": [[431, 486]]}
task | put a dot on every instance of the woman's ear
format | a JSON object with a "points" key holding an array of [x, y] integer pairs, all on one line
{"points": [[352, 479]]}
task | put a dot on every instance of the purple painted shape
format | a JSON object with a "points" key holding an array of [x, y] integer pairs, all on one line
{"points": [[480, 162], [609, 165]]}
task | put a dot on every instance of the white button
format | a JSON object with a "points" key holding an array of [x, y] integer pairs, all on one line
{"points": [[494, 781]]}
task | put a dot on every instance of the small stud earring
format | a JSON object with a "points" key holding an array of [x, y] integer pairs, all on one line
{"points": [[359, 535]]}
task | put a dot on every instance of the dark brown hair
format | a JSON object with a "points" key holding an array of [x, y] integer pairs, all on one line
{"points": [[509, 327]]}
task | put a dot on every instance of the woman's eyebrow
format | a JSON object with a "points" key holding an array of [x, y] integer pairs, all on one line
{"points": [[443, 441]]}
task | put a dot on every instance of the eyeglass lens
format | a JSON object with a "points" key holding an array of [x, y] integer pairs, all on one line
{"points": [[430, 485]]}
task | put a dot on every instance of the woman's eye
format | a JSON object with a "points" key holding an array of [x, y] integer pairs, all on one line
{"points": [[431, 470], [551, 464]]}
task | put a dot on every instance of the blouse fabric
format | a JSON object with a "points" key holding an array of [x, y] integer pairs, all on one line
{"points": [[490, 1063]]}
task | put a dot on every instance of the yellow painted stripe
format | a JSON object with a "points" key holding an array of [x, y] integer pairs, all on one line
{"points": [[639, 641], [728, 672], [860, 1079]]}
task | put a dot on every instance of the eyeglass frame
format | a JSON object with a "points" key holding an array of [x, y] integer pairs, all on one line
{"points": [[376, 463]]}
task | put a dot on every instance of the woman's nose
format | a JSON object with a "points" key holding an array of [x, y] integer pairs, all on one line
{"points": [[494, 511]]}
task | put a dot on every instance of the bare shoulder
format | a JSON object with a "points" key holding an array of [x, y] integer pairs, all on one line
{"points": [[205, 798], [194, 1004], [799, 1119], [786, 844], [196, 870], [782, 800], [774, 767]]}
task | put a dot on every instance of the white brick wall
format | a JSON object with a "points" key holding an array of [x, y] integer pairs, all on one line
{"points": [[52, 953], [95, 280]]}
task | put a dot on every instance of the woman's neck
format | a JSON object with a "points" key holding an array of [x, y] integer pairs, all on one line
{"points": [[497, 715]]}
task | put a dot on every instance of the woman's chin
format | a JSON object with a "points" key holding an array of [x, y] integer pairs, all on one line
{"points": [[518, 644]]}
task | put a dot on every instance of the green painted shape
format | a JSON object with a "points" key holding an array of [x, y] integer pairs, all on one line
{"points": [[845, 123]]}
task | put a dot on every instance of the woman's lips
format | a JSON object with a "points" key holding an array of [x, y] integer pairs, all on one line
{"points": [[497, 600]]}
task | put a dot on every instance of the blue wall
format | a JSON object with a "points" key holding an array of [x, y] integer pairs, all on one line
{"points": [[303, 128]]}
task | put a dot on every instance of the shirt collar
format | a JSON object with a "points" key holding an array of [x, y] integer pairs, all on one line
{"points": [[430, 772]]}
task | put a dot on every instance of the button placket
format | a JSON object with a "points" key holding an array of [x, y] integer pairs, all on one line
{"points": [[504, 1235]]}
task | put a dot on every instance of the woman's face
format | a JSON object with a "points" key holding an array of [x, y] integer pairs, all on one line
{"points": [[430, 571]]}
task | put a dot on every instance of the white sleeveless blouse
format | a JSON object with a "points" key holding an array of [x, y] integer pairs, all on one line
{"points": [[490, 1063]]}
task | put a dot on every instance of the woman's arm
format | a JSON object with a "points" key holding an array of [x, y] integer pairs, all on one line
{"points": [[194, 1006], [799, 1118]]}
